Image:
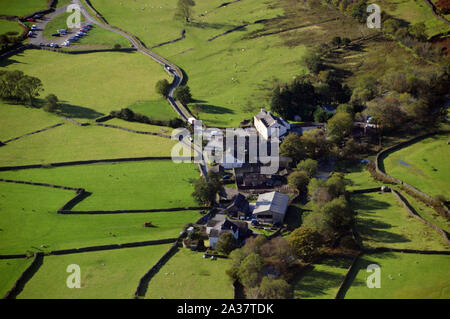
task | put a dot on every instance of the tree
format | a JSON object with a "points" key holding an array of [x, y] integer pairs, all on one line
{"points": [[320, 115], [274, 289], [250, 270], [117, 46], [340, 126], [299, 180], [313, 62], [162, 87], [359, 11], [206, 192], [339, 215], [51, 104], [315, 144], [226, 243], [336, 41], [309, 166], [184, 10], [387, 112], [183, 94], [29, 88], [418, 31], [305, 241], [292, 147]]}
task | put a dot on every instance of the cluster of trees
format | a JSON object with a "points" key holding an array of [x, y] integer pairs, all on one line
{"points": [[205, 191], [264, 267], [128, 115], [182, 93], [19, 87], [312, 144], [8, 40], [303, 99], [402, 101], [331, 216], [299, 179]]}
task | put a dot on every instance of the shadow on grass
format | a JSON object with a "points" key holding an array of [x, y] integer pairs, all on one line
{"points": [[75, 111], [213, 109]]}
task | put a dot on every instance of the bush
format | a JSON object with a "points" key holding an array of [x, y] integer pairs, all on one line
{"points": [[117, 46]]}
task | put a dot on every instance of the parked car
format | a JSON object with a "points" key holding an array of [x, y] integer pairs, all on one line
{"points": [[37, 16], [30, 34], [33, 27], [47, 44], [56, 35], [41, 44], [30, 20]]}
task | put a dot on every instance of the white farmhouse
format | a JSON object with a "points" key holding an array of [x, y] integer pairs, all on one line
{"points": [[266, 123]]}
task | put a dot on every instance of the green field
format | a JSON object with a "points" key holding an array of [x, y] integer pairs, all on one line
{"points": [[323, 281], [112, 274], [413, 276], [17, 120], [187, 275], [141, 126], [10, 271], [358, 177], [70, 142], [28, 220], [10, 26], [382, 222], [89, 84], [423, 165], [231, 76], [414, 12], [21, 8], [135, 185], [156, 109]]}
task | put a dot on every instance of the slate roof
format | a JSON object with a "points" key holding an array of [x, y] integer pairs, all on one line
{"points": [[268, 119], [274, 202]]}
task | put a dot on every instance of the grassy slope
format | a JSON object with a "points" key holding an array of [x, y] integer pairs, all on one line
{"points": [[358, 177], [323, 281], [10, 26], [136, 185], [28, 219], [413, 277], [156, 109], [414, 12], [70, 142], [187, 275], [91, 83], [10, 271], [22, 7], [141, 126], [17, 120], [428, 170], [382, 222], [104, 275], [226, 74]]}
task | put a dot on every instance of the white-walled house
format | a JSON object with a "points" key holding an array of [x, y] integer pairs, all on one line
{"points": [[266, 123]]}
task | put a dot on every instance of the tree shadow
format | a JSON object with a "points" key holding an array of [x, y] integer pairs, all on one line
{"points": [[213, 109], [207, 25], [75, 111], [9, 61]]}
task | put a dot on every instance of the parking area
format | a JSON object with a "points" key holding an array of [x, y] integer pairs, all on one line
{"points": [[59, 38]]}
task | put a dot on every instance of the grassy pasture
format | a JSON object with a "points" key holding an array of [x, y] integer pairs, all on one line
{"points": [[239, 71], [134, 185], [17, 120], [187, 275], [413, 276], [358, 177], [414, 12], [10, 271], [158, 109], [323, 281], [141, 126], [91, 84], [10, 26], [22, 8], [70, 142], [382, 222], [423, 165], [110, 274], [28, 220]]}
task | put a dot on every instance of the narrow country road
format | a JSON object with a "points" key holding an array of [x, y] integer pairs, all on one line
{"points": [[169, 67]]}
